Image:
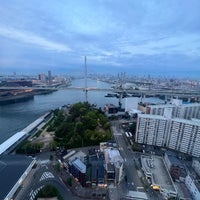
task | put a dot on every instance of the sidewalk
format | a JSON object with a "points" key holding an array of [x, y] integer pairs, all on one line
{"points": [[26, 183]]}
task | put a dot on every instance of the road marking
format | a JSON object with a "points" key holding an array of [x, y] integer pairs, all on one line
{"points": [[117, 134], [31, 192], [46, 175], [34, 193]]}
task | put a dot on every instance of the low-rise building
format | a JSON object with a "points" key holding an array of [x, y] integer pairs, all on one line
{"points": [[175, 167], [155, 170], [73, 155], [96, 170], [110, 169], [113, 157], [110, 109], [108, 145], [190, 184], [78, 169]]}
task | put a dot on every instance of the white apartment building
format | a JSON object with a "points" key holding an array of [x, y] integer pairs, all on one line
{"points": [[177, 134], [184, 111], [151, 129], [184, 136], [192, 187], [189, 111]]}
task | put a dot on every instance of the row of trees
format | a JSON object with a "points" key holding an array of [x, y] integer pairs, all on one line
{"points": [[29, 148]]}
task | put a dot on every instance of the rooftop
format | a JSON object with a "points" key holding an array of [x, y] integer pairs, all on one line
{"points": [[109, 144], [97, 169], [158, 170], [162, 106], [80, 155], [79, 165], [12, 166], [34, 124], [66, 156], [110, 106], [112, 155], [12, 140]]}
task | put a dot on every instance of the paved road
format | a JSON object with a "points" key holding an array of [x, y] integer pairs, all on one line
{"points": [[44, 174], [132, 168], [153, 92], [132, 173]]}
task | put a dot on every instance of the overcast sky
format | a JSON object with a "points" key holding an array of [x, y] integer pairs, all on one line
{"points": [[132, 36]]}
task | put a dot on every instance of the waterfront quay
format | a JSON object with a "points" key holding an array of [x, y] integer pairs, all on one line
{"points": [[150, 92], [18, 137]]}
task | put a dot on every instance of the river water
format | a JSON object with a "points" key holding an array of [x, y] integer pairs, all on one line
{"points": [[15, 117]]}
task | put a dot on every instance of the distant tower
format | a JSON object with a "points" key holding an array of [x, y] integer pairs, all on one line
{"points": [[49, 77], [86, 90], [42, 77]]}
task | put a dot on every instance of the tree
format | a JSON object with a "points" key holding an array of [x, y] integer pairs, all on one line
{"points": [[53, 145], [135, 146], [69, 181], [51, 157], [132, 127], [49, 191], [83, 126]]}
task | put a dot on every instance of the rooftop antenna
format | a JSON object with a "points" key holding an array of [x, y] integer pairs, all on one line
{"points": [[86, 90]]}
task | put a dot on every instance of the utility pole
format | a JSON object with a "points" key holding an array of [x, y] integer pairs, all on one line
{"points": [[86, 90]]}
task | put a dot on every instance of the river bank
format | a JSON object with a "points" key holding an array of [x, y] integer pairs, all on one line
{"points": [[29, 131], [22, 96]]}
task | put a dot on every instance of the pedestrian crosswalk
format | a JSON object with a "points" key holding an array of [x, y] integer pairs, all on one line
{"points": [[34, 193], [46, 175]]}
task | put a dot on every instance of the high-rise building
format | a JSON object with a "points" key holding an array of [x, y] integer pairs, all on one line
{"points": [[42, 78], [189, 111], [190, 184], [151, 129], [184, 136], [177, 134], [49, 77], [184, 111]]}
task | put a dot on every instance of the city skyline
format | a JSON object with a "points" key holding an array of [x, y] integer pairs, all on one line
{"points": [[139, 37]]}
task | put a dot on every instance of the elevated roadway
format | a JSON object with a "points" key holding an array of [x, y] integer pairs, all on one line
{"points": [[182, 93]]}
